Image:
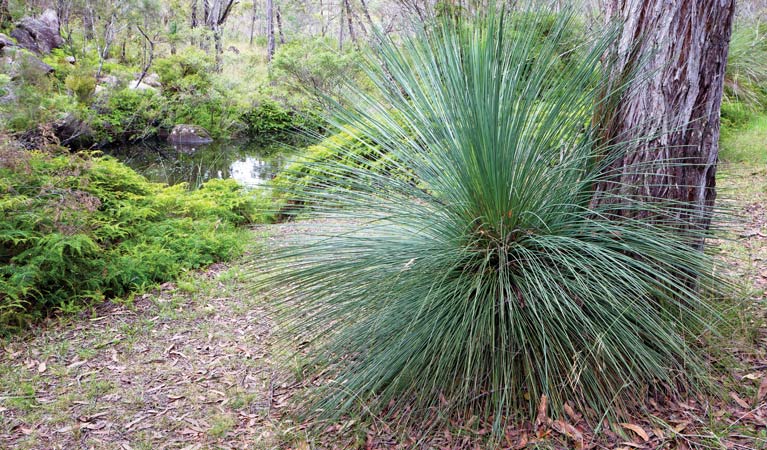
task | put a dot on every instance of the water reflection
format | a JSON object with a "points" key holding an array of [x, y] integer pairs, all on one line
{"points": [[250, 163]]}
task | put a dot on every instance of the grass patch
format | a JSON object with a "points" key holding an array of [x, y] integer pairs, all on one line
{"points": [[746, 145]]}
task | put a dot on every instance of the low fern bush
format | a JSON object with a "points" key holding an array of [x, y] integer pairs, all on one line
{"points": [[491, 277], [75, 229]]}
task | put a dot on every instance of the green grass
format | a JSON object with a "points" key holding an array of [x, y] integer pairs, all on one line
{"points": [[747, 145]]}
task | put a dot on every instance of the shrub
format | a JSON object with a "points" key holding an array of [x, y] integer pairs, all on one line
{"points": [[187, 71], [491, 281], [128, 115], [75, 229], [82, 84], [312, 66]]}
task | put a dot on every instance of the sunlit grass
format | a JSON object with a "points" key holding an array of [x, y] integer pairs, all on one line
{"points": [[747, 145]]}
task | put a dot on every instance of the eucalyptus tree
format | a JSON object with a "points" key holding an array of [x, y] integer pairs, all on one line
{"points": [[215, 14], [681, 47]]}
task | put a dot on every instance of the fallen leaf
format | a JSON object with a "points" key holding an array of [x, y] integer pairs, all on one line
{"points": [[752, 376], [570, 431], [66, 429], [541, 418], [522, 442], [762, 390], [93, 426], [76, 364], [679, 428], [637, 429], [42, 367], [743, 404], [571, 413]]}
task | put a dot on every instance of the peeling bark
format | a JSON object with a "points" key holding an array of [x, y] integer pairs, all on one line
{"points": [[672, 110]]}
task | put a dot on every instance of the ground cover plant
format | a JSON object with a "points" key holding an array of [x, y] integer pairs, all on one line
{"points": [[492, 283], [76, 229]]}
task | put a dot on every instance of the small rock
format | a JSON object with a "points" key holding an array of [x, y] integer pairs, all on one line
{"points": [[152, 79], [141, 87]]}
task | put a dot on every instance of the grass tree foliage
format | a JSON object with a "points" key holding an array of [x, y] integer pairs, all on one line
{"points": [[486, 279]]}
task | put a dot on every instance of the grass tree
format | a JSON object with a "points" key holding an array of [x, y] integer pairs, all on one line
{"points": [[469, 271]]}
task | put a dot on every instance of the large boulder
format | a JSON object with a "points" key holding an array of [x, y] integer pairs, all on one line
{"points": [[189, 135], [5, 42], [25, 66], [39, 35]]}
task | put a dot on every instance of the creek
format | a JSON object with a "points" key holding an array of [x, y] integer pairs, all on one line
{"points": [[250, 163]]}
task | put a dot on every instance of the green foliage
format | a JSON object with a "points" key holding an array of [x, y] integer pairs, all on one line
{"points": [[75, 229], [312, 66], [5, 80], [268, 118], [82, 84], [129, 114], [188, 71], [347, 148], [492, 278], [746, 74]]}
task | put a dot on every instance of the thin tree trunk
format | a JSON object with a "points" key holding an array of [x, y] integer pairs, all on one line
{"points": [[218, 47], [269, 31], [323, 23], [349, 20], [194, 20], [253, 21], [671, 114], [151, 56], [278, 16], [341, 26]]}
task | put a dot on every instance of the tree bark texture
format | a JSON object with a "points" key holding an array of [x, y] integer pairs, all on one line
{"points": [[671, 112]]}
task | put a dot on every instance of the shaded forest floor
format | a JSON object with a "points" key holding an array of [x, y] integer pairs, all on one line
{"points": [[190, 365]]}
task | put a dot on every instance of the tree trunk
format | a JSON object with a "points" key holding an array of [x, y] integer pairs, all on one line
{"points": [[278, 16], [366, 12], [671, 112], [194, 20], [349, 18], [323, 23], [269, 31], [341, 26], [253, 21], [218, 48], [151, 57]]}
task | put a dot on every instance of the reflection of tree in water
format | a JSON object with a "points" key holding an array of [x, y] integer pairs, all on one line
{"points": [[249, 163]]}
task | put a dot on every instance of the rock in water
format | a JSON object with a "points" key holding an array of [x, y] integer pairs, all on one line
{"points": [[189, 134], [41, 34]]}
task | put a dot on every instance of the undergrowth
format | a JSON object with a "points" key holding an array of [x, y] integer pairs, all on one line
{"points": [[78, 228]]}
